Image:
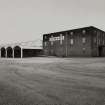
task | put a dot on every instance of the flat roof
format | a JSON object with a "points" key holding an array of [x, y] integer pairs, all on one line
{"points": [[74, 30]]}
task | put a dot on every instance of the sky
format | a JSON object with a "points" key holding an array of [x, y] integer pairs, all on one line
{"points": [[26, 20]]}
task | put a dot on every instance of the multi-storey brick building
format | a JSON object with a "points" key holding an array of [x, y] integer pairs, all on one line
{"points": [[87, 41]]}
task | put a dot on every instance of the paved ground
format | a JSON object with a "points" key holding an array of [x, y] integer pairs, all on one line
{"points": [[52, 81]]}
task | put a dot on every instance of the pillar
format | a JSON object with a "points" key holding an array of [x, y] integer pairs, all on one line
{"points": [[21, 53], [13, 53], [6, 53]]}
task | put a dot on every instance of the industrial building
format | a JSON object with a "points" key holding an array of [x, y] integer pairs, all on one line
{"points": [[81, 42]]}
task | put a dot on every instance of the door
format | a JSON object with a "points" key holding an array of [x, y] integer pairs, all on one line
{"points": [[101, 50]]}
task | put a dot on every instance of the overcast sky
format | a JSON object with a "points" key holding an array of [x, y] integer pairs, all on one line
{"points": [[23, 20]]}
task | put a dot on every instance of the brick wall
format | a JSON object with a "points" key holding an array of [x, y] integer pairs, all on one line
{"points": [[82, 44]]}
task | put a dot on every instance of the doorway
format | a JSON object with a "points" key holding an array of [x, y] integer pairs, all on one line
{"points": [[3, 52], [9, 52], [17, 52], [101, 50]]}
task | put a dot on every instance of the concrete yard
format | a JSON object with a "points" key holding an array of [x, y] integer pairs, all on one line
{"points": [[52, 81]]}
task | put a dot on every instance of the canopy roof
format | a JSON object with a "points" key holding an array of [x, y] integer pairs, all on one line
{"points": [[37, 44]]}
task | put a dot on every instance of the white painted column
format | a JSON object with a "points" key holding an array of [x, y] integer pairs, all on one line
{"points": [[13, 52], [5, 53], [21, 53]]}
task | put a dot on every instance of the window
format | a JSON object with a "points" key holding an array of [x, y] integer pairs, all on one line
{"points": [[84, 49], [45, 37], [71, 41], [83, 40], [71, 33], [52, 43], [95, 31], [84, 31], [45, 44], [95, 39], [61, 39], [58, 38], [52, 39], [99, 41]]}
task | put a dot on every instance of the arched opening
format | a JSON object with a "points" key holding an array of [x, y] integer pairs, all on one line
{"points": [[9, 52], [17, 52], [3, 52]]}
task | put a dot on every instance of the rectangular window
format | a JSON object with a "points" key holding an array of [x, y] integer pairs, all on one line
{"points": [[84, 50], [83, 40], [52, 39], [45, 44], [71, 41], [84, 31], [95, 39], [61, 39], [45, 37], [52, 43], [58, 38]]}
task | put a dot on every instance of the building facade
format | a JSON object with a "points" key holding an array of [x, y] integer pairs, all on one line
{"points": [[20, 52], [86, 42]]}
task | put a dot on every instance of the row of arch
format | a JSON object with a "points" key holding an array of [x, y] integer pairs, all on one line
{"points": [[10, 52]]}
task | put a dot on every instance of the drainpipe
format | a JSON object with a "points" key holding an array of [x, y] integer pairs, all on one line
{"points": [[66, 46], [0, 53]]}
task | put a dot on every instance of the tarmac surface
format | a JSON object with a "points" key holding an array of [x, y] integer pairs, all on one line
{"points": [[52, 81]]}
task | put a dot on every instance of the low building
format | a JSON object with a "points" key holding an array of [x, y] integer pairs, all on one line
{"points": [[86, 42], [21, 50]]}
